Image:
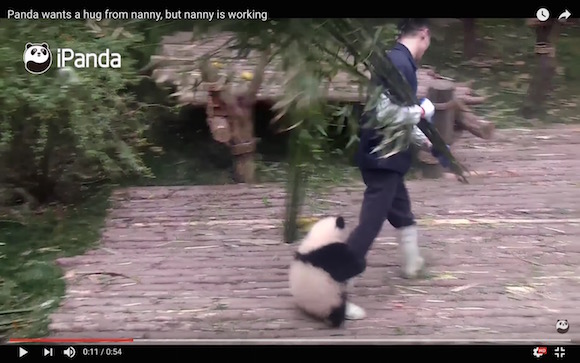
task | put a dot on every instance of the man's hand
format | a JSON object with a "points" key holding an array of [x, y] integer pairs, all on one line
{"points": [[441, 158], [427, 108]]}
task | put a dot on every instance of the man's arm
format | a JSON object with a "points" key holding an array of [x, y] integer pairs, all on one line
{"points": [[409, 115], [403, 114]]}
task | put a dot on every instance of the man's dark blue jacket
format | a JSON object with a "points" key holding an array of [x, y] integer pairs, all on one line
{"points": [[400, 162]]}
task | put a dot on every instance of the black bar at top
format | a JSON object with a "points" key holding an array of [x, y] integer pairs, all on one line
{"points": [[296, 353], [369, 9]]}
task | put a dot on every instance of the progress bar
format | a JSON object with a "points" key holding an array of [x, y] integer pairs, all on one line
{"points": [[351, 341], [286, 341], [69, 340]]}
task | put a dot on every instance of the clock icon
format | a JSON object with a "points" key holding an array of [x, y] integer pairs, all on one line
{"points": [[543, 14]]}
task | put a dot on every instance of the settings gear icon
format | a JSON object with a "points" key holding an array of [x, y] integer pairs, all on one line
{"points": [[539, 351]]}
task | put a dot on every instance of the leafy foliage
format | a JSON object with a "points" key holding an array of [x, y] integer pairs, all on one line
{"points": [[311, 53], [58, 133]]}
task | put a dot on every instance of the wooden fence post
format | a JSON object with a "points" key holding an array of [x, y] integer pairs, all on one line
{"points": [[441, 93]]}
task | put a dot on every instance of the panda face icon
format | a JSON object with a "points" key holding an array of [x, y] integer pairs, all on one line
{"points": [[37, 58], [562, 326]]}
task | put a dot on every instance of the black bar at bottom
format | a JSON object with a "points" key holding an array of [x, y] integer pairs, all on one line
{"points": [[330, 352]]}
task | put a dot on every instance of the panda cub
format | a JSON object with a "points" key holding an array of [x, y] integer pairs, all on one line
{"points": [[320, 271]]}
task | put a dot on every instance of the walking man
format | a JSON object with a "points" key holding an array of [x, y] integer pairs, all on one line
{"points": [[386, 196]]}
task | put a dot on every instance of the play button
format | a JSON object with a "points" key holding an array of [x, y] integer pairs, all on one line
{"points": [[22, 352]]}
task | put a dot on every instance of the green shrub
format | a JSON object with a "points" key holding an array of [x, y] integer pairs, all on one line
{"points": [[57, 136], [568, 53]]}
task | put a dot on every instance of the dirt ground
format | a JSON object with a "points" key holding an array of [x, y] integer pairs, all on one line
{"points": [[207, 262]]}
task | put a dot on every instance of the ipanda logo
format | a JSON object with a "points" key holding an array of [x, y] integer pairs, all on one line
{"points": [[38, 58]]}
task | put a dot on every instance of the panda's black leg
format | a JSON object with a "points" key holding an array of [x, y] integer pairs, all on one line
{"points": [[338, 314]]}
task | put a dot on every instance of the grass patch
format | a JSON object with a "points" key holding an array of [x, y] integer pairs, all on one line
{"points": [[31, 283]]}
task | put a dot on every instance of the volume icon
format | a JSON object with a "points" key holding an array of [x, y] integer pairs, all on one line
{"points": [[69, 352]]}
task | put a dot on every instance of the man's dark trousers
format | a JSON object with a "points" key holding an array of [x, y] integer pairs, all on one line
{"points": [[385, 197]]}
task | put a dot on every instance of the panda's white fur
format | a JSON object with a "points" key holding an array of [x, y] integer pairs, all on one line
{"points": [[324, 232], [320, 270]]}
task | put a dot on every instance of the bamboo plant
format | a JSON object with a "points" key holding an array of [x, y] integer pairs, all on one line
{"points": [[310, 53]]}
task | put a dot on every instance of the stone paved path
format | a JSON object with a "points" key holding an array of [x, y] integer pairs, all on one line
{"points": [[206, 262]]}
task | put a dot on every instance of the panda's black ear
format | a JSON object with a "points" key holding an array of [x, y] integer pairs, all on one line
{"points": [[340, 222], [28, 45], [45, 45]]}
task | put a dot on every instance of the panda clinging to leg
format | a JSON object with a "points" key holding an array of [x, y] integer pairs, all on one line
{"points": [[320, 271]]}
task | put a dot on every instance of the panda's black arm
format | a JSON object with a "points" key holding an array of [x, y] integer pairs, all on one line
{"points": [[337, 259]]}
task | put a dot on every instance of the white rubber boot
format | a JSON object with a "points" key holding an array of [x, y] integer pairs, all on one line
{"points": [[354, 312], [412, 260]]}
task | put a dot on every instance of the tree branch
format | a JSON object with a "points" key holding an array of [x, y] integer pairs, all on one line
{"points": [[256, 83]]}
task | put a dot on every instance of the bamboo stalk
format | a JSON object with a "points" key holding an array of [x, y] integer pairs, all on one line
{"points": [[295, 186]]}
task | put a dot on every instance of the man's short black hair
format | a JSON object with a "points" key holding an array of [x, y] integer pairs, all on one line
{"points": [[412, 25]]}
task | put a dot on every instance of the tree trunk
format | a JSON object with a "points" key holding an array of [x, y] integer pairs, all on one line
{"points": [[245, 165], [554, 38], [469, 38], [45, 184], [244, 143], [238, 132], [245, 168], [542, 80]]}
